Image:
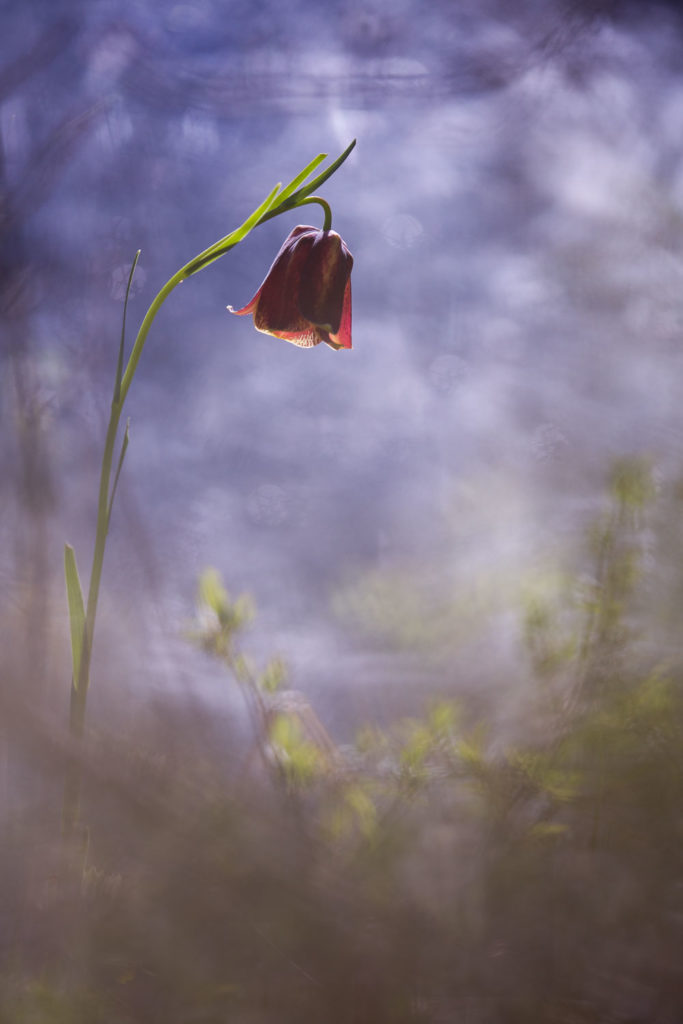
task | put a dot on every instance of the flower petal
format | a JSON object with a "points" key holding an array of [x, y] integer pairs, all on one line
{"points": [[323, 281], [275, 306], [305, 297], [307, 337], [342, 338], [249, 308]]}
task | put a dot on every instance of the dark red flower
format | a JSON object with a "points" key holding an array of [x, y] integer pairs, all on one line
{"points": [[306, 295]]}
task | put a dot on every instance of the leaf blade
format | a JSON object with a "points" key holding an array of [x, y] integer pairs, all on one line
{"points": [[74, 596], [293, 200], [119, 365], [300, 178], [217, 250], [124, 448]]}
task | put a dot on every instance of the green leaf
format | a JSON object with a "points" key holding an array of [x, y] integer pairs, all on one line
{"points": [[217, 250], [212, 592], [632, 482], [74, 596], [443, 718], [124, 448], [274, 676], [363, 808], [292, 201], [471, 748], [241, 232], [119, 365], [317, 182], [242, 668], [300, 178], [285, 732], [300, 760], [417, 749]]}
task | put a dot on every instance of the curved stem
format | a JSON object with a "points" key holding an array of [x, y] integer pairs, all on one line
{"points": [[141, 338], [327, 223], [79, 687]]}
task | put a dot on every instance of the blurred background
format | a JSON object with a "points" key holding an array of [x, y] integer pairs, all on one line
{"points": [[403, 514], [513, 207]]}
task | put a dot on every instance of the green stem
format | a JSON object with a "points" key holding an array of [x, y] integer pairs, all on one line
{"points": [[79, 687], [157, 303], [327, 223]]}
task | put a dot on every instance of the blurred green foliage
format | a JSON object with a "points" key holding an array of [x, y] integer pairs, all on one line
{"points": [[434, 871]]}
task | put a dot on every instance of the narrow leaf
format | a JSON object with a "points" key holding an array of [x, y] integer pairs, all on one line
{"points": [[300, 178], [310, 188], [124, 448], [74, 596], [217, 250], [252, 221], [119, 365], [317, 182]]}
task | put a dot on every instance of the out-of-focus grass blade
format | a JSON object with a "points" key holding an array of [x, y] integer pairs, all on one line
{"points": [[300, 178], [119, 365], [74, 596], [124, 447]]}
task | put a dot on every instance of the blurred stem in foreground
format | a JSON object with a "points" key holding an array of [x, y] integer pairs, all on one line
{"points": [[82, 616]]}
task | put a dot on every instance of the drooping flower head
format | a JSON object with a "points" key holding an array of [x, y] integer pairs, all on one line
{"points": [[306, 295]]}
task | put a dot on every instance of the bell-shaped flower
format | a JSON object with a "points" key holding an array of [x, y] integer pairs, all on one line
{"points": [[306, 295]]}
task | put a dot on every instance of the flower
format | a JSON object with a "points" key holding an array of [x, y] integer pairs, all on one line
{"points": [[306, 295]]}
